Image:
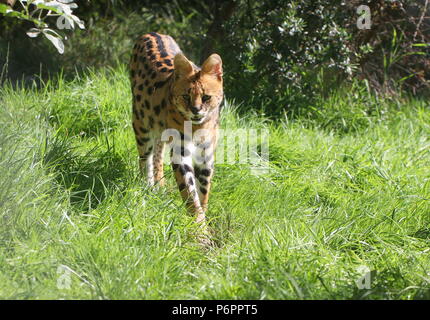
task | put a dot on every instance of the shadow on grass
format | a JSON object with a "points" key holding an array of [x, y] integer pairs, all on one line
{"points": [[385, 284], [423, 233], [90, 177]]}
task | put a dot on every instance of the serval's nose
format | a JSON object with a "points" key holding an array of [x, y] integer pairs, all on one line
{"points": [[195, 110]]}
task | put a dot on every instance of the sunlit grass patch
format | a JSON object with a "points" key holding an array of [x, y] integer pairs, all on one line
{"points": [[344, 189]]}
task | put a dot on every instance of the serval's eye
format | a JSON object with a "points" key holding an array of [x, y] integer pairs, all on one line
{"points": [[206, 98], [186, 97]]}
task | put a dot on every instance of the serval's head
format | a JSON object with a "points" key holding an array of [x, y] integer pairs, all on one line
{"points": [[197, 92]]}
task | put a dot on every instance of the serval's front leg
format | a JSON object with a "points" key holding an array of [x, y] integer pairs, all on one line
{"points": [[158, 160], [204, 169], [145, 147], [182, 165]]}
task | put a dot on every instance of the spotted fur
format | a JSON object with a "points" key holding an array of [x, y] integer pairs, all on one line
{"points": [[168, 91]]}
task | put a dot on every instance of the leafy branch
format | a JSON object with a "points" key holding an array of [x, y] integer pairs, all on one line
{"points": [[38, 12]]}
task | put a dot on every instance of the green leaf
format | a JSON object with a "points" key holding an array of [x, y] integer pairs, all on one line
{"points": [[58, 7], [56, 41], [421, 45], [33, 32], [54, 33], [12, 13], [4, 8], [8, 12], [414, 53], [405, 78], [78, 21]]}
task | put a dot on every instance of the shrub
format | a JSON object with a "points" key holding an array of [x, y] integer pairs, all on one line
{"points": [[282, 54]]}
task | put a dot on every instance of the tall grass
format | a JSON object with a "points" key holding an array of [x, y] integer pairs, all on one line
{"points": [[348, 186]]}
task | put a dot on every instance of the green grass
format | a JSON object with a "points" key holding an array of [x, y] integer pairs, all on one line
{"points": [[349, 186]]}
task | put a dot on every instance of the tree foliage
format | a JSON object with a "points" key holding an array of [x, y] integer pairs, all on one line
{"points": [[38, 12], [283, 53], [278, 53]]}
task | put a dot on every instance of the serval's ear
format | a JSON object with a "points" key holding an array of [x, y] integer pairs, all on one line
{"points": [[213, 66], [183, 66]]}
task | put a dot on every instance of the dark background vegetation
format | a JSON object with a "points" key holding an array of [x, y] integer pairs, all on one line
{"points": [[278, 55]]}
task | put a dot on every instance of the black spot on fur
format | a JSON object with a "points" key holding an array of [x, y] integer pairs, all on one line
{"points": [[159, 84], [191, 181], [147, 104], [205, 172], [203, 182], [138, 98], [145, 140], [151, 122], [157, 110], [164, 69], [168, 62], [160, 45], [182, 186], [187, 168], [183, 151], [163, 104], [140, 87], [203, 190], [134, 129], [182, 170], [135, 113], [150, 90]]}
